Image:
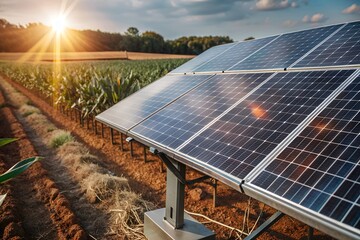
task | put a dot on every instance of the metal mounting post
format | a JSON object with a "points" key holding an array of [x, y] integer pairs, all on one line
{"points": [[102, 130], [175, 193], [112, 136], [145, 154], [121, 142], [172, 222]]}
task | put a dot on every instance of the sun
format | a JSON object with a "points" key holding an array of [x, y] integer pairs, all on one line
{"points": [[59, 24]]}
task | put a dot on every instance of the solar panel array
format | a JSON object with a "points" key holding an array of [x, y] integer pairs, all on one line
{"points": [[293, 136], [320, 169], [236, 54], [180, 120], [242, 138], [148, 100], [286, 49], [340, 49], [204, 57]]}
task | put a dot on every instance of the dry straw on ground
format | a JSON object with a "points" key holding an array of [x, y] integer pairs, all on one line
{"points": [[111, 193]]}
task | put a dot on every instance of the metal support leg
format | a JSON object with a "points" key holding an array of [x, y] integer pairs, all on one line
{"points": [[112, 136], [95, 126], [144, 153], [175, 193], [121, 142], [87, 122], [81, 120], [310, 233], [130, 140], [176, 224], [161, 167], [131, 149], [102, 130], [214, 181], [266, 225]]}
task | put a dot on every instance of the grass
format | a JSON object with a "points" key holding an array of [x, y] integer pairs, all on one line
{"points": [[27, 110], [59, 138]]}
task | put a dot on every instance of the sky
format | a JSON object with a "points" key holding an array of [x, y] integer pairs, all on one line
{"points": [[238, 19]]}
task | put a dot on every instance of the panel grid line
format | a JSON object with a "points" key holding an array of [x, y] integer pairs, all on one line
{"points": [[254, 52], [188, 69], [297, 207], [311, 50], [225, 112], [265, 162], [159, 109], [194, 70]]}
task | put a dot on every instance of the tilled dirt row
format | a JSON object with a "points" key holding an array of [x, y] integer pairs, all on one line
{"points": [[34, 208], [146, 178]]}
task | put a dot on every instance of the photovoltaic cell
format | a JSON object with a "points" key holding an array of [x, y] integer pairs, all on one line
{"points": [[229, 58], [183, 118], [286, 49], [242, 138], [148, 100], [203, 58], [320, 169], [341, 49]]}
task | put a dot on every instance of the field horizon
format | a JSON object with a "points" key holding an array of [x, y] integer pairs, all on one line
{"points": [[86, 56]]}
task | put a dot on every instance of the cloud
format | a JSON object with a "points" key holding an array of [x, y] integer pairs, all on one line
{"points": [[353, 9], [305, 19], [290, 23], [294, 5], [316, 18], [266, 5]]}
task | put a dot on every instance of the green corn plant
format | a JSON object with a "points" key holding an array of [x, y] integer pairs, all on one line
{"points": [[89, 87], [17, 168]]}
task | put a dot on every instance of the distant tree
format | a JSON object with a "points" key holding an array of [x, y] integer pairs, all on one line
{"points": [[17, 38], [132, 31], [249, 38], [152, 42], [5, 24]]}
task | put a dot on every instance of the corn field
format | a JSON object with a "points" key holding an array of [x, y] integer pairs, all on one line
{"points": [[89, 88]]}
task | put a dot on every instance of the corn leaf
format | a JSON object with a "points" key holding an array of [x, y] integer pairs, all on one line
{"points": [[4, 141], [18, 168], [2, 198]]}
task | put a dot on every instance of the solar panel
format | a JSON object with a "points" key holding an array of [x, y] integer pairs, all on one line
{"points": [[242, 138], [237, 53], [320, 169], [286, 49], [288, 138], [203, 58], [239, 140], [183, 118], [148, 100], [340, 49]]}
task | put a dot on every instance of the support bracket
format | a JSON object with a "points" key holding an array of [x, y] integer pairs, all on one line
{"points": [[266, 225], [130, 140], [171, 167]]}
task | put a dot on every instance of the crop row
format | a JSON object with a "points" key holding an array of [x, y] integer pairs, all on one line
{"points": [[89, 87]]}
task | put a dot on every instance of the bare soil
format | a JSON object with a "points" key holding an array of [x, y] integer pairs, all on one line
{"points": [[35, 208], [144, 178]]}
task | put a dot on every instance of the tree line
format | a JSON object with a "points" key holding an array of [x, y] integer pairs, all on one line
{"points": [[18, 38]]}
